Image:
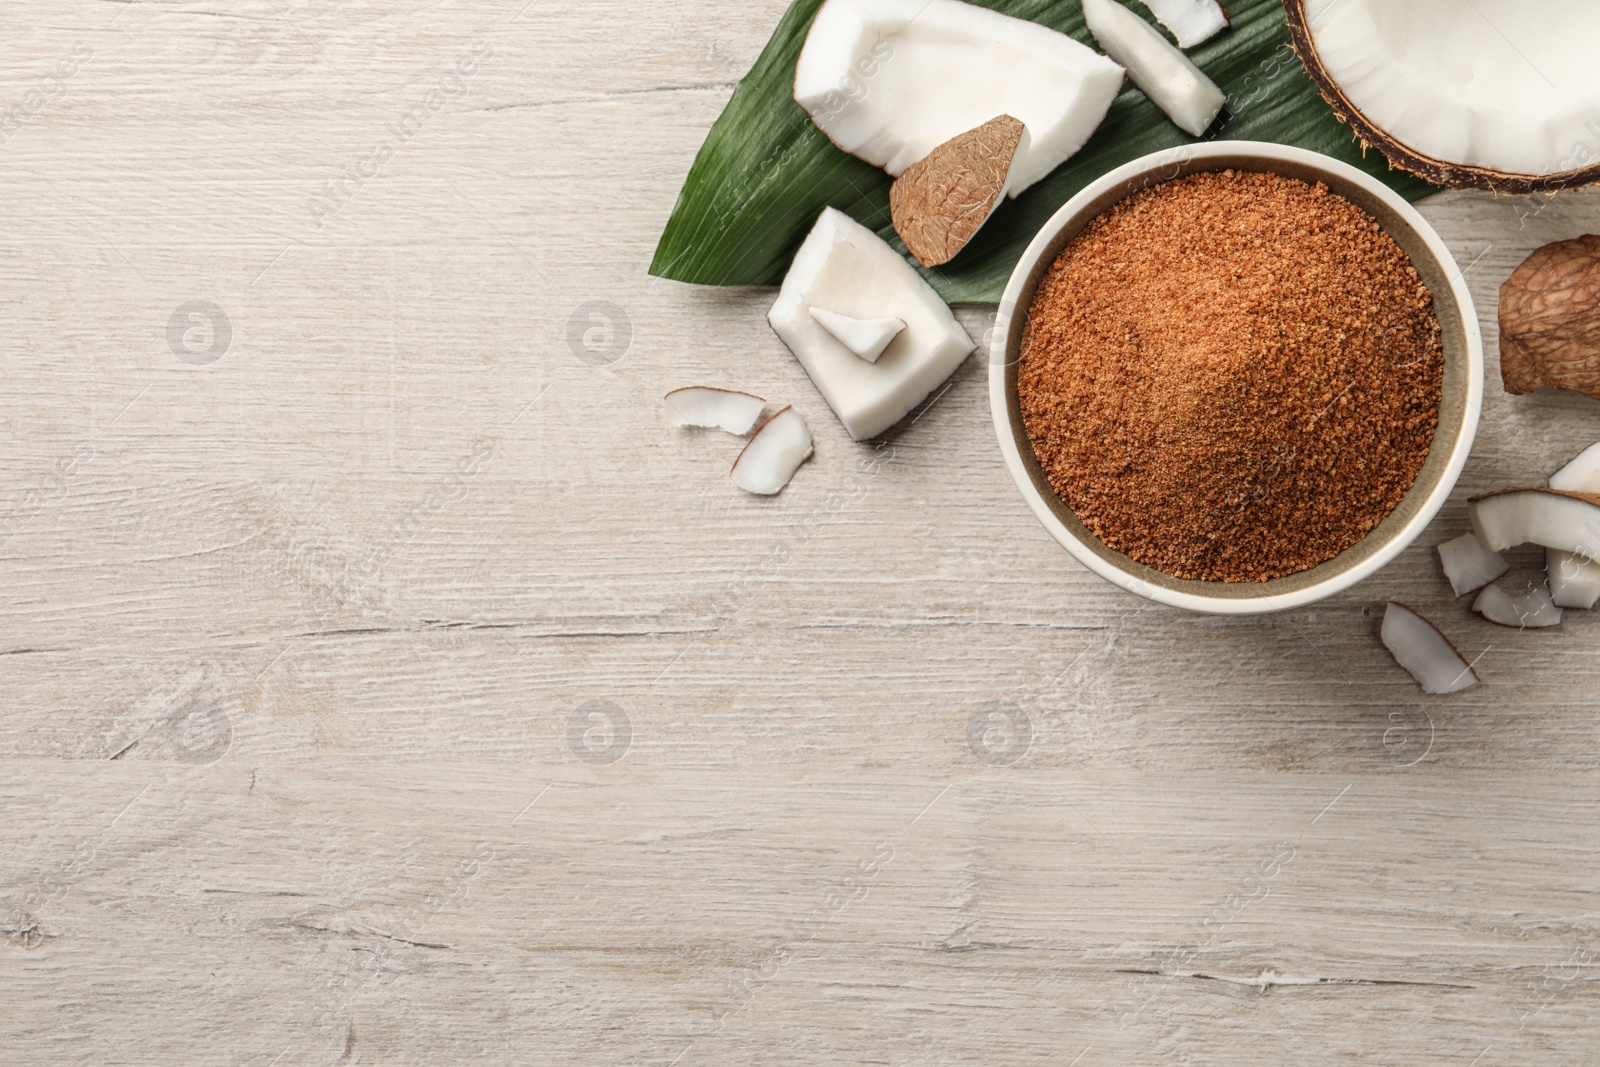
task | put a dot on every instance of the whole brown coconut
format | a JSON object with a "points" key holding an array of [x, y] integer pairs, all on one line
{"points": [[1550, 319]]}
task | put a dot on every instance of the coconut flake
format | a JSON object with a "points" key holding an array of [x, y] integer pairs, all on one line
{"points": [[941, 201], [1469, 565], [1419, 647], [867, 338], [713, 408], [1548, 517], [1191, 21], [1168, 77], [771, 457], [846, 268], [890, 80], [1534, 608]]}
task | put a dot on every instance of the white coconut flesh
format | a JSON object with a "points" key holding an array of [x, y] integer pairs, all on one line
{"points": [[867, 338], [1419, 647], [1191, 21], [713, 408], [891, 80], [1574, 580], [771, 457], [846, 268], [1581, 474], [1469, 565], [1532, 609], [1538, 516], [1505, 85], [1164, 74]]}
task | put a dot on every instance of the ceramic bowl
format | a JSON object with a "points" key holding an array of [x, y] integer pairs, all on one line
{"points": [[1458, 415]]}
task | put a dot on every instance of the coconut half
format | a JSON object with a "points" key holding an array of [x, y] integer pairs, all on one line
{"points": [[1487, 94], [1419, 647], [771, 457], [1574, 580], [846, 268], [1167, 76], [1469, 565], [1191, 21], [1531, 610], [713, 408], [1548, 517], [890, 80]]}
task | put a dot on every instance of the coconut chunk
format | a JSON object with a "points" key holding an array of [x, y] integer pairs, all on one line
{"points": [[1167, 76], [1548, 517], [867, 338], [771, 457], [846, 268], [941, 201], [1581, 474], [1574, 580], [1191, 21], [1419, 647], [1469, 565], [713, 408], [890, 80], [1534, 608]]}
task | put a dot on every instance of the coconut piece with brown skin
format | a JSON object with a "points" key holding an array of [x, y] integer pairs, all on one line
{"points": [[1550, 319], [1548, 517], [709, 407], [1419, 647], [890, 80], [1531, 610], [943, 199], [773, 454]]}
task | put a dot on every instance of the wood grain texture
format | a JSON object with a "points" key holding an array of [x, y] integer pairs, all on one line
{"points": [[398, 688]]}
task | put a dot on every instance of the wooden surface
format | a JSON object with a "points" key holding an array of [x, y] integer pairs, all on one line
{"points": [[395, 687]]}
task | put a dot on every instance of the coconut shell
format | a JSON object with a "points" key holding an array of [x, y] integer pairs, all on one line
{"points": [[1550, 319], [1404, 157], [942, 200]]}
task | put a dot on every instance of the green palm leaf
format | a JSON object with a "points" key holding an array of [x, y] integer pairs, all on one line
{"points": [[765, 172]]}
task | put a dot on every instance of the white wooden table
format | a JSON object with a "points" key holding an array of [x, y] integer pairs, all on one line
{"points": [[386, 684]]}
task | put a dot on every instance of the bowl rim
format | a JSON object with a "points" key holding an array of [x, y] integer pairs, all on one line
{"points": [[1013, 440]]}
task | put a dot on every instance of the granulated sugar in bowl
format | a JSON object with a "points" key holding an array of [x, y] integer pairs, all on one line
{"points": [[1236, 377]]}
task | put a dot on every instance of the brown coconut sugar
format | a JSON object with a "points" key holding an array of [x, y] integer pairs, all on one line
{"points": [[1231, 376]]}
